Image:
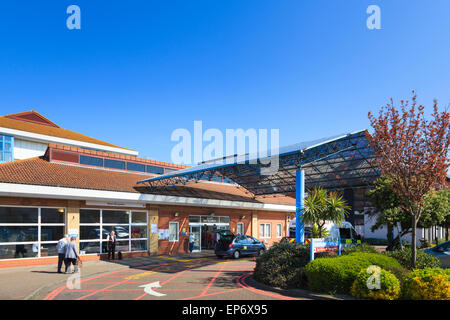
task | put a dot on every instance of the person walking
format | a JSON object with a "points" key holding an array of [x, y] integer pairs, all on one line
{"points": [[61, 247], [191, 242], [112, 240], [71, 255]]}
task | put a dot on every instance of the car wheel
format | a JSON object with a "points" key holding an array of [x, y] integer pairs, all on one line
{"points": [[260, 252], [236, 254]]}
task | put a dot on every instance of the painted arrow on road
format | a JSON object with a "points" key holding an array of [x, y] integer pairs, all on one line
{"points": [[148, 289]]}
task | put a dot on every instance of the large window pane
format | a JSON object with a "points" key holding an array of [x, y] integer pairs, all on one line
{"points": [[18, 234], [115, 216], [49, 250], [139, 217], [52, 215], [91, 161], [90, 247], [173, 231], [90, 232], [18, 251], [122, 232], [138, 231], [139, 245], [89, 216], [52, 233], [18, 215], [114, 164], [120, 246]]}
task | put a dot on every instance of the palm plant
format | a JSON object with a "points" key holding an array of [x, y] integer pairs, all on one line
{"points": [[321, 207]]}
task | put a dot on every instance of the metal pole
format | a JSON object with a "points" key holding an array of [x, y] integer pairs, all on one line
{"points": [[300, 204]]}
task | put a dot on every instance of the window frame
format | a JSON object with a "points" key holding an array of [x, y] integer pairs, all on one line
{"points": [[263, 234], [178, 231], [280, 226], [39, 226], [243, 227], [3, 152], [130, 224]]}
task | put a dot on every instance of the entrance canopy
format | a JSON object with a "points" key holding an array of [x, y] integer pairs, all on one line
{"points": [[339, 162]]}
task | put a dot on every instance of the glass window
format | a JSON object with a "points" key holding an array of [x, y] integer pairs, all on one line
{"points": [[139, 217], [49, 250], [52, 215], [139, 231], [18, 234], [173, 231], [91, 161], [139, 245], [194, 218], [89, 216], [114, 164], [18, 251], [122, 232], [279, 230], [224, 219], [90, 247], [240, 228], [52, 233], [265, 230], [155, 169], [115, 216], [135, 167], [18, 215], [89, 232], [6, 148]]}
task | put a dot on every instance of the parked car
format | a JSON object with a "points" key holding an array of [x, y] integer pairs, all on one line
{"points": [[441, 251], [237, 246]]}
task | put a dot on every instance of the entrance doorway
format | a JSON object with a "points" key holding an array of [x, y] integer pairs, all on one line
{"points": [[203, 230]]}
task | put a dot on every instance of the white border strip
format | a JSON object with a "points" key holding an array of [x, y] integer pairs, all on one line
{"points": [[35, 191], [45, 138]]}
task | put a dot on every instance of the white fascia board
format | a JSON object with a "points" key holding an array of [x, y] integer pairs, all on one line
{"points": [[51, 139], [35, 191]]}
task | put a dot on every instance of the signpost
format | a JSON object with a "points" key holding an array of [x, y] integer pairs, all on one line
{"points": [[324, 245]]}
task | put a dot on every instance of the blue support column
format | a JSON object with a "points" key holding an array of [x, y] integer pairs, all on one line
{"points": [[300, 204]]}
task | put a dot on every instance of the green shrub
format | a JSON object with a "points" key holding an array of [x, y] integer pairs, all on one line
{"points": [[364, 247], [282, 265], [399, 272], [423, 259], [336, 275], [427, 284], [389, 286]]}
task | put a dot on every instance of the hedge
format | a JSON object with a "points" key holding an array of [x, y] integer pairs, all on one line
{"points": [[427, 284], [282, 265], [389, 286], [336, 275], [423, 259]]}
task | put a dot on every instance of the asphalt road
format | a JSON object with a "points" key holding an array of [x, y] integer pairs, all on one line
{"points": [[168, 278]]}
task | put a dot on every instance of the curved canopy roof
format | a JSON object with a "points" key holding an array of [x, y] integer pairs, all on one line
{"points": [[338, 162]]}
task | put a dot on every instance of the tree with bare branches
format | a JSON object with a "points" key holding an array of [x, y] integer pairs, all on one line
{"points": [[413, 152]]}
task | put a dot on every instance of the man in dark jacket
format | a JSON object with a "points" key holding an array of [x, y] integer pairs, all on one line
{"points": [[112, 240]]}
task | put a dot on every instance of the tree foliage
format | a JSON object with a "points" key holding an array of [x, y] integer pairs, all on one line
{"points": [[413, 151], [321, 206]]}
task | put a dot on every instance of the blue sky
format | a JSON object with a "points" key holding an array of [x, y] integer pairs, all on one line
{"points": [[137, 70]]}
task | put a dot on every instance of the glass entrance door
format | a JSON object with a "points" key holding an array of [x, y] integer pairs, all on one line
{"points": [[196, 233]]}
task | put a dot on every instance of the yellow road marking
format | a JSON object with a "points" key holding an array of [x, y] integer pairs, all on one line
{"points": [[140, 275]]}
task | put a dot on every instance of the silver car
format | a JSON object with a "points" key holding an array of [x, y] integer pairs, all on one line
{"points": [[442, 252]]}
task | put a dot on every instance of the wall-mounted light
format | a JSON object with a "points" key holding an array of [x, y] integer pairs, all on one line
{"points": [[60, 210], [242, 217], [176, 214], [212, 214]]}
